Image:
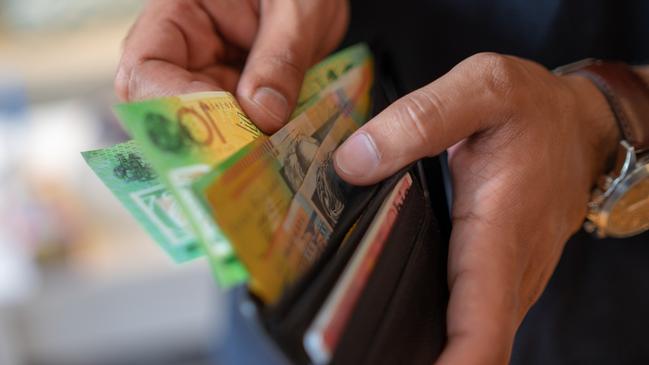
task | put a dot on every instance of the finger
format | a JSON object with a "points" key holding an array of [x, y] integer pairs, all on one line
{"points": [[179, 33], [463, 102], [236, 20], [145, 81], [483, 311], [273, 74]]}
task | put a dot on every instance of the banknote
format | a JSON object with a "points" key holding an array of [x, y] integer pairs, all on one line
{"points": [[131, 178], [183, 137], [328, 71], [175, 236], [315, 208], [250, 194], [178, 124]]}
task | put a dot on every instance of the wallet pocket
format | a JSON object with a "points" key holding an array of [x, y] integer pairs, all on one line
{"points": [[401, 315]]}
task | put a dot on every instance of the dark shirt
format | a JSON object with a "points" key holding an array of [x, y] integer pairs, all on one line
{"points": [[595, 309], [428, 37]]}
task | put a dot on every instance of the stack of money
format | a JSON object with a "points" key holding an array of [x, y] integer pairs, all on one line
{"points": [[203, 180]]}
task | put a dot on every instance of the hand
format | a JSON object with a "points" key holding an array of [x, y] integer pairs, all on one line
{"points": [[526, 147], [256, 49]]}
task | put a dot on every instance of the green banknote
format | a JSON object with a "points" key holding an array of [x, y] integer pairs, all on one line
{"points": [[131, 178], [184, 137], [323, 74]]}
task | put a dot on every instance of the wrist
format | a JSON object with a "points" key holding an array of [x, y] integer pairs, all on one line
{"points": [[599, 128]]}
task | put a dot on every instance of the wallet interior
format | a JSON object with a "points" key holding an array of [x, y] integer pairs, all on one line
{"points": [[400, 314]]}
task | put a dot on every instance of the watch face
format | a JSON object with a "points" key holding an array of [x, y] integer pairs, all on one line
{"points": [[630, 213]]}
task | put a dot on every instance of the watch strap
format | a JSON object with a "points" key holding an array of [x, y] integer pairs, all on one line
{"points": [[627, 94]]}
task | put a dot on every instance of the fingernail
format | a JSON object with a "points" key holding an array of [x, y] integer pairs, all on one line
{"points": [[272, 102], [358, 155]]}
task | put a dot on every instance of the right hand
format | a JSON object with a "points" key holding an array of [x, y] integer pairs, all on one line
{"points": [[256, 49]]}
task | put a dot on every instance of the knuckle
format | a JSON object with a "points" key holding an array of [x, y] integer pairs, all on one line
{"points": [[288, 60], [285, 63], [416, 114], [180, 7], [498, 75]]}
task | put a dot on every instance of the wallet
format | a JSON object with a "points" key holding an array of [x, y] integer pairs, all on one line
{"points": [[391, 311]]}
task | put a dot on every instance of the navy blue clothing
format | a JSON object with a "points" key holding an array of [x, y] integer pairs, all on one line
{"points": [[595, 309], [428, 37]]}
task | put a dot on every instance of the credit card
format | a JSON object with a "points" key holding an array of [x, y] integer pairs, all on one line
{"points": [[321, 338]]}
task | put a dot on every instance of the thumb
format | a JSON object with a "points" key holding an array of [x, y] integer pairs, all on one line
{"points": [[273, 74], [422, 123]]}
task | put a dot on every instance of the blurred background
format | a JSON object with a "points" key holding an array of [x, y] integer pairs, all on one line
{"points": [[80, 282]]}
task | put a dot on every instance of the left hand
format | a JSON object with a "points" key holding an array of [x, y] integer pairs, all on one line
{"points": [[526, 147]]}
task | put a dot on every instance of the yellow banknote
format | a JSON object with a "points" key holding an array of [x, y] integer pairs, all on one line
{"points": [[250, 194]]}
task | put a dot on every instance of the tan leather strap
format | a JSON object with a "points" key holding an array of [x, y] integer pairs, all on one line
{"points": [[628, 96]]}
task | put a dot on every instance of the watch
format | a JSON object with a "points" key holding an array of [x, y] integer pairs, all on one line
{"points": [[619, 205]]}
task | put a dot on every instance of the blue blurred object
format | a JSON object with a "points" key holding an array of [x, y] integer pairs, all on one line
{"points": [[13, 98], [62, 14], [246, 341]]}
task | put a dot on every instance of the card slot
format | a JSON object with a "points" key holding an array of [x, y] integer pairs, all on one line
{"points": [[402, 317], [384, 280], [417, 311]]}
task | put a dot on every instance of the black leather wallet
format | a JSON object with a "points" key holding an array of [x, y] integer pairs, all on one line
{"points": [[400, 314]]}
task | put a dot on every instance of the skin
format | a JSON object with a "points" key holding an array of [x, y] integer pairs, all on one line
{"points": [[525, 146], [256, 49]]}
